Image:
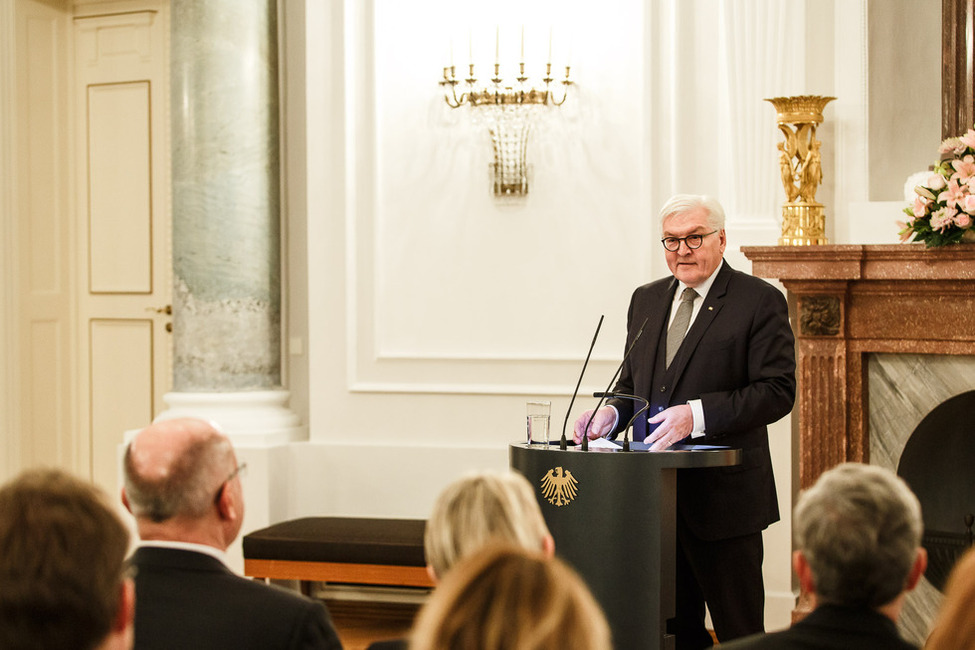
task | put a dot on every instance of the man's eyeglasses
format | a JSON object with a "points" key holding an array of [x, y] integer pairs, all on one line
{"points": [[240, 471], [693, 241]]}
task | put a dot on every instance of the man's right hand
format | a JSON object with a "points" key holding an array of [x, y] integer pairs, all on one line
{"points": [[601, 425]]}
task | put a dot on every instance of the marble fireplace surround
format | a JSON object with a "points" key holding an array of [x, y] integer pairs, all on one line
{"points": [[849, 301], [862, 311]]}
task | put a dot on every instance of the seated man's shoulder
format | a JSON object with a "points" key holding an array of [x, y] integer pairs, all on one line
{"points": [[230, 611], [268, 594]]}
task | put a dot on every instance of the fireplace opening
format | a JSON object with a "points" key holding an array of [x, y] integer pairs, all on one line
{"points": [[938, 462]]}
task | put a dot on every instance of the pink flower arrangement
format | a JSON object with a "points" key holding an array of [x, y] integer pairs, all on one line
{"points": [[943, 211]]}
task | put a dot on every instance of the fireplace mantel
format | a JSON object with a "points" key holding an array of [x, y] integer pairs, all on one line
{"points": [[848, 301]]}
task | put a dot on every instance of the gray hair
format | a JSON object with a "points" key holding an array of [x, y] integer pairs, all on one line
{"points": [[187, 489], [859, 527], [681, 203]]}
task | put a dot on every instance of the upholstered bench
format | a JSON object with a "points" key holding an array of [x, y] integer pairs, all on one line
{"points": [[347, 550]]}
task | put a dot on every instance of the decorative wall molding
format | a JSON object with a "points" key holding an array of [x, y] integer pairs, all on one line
{"points": [[436, 295], [116, 35]]}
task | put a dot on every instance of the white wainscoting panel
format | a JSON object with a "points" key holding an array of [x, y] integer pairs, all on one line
{"points": [[121, 386], [44, 229], [120, 188]]}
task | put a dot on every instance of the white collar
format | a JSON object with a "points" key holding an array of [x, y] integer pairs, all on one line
{"points": [[186, 546]]}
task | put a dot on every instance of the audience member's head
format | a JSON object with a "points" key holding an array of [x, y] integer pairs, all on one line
{"points": [[182, 483], [479, 508], [62, 566], [954, 628], [858, 538], [505, 597]]}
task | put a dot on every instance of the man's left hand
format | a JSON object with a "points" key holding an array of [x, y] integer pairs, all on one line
{"points": [[675, 423]]}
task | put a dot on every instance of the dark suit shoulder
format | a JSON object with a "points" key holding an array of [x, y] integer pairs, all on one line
{"points": [[661, 286], [830, 627], [188, 599], [752, 282]]}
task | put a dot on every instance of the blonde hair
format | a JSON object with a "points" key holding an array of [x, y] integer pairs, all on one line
{"points": [[954, 628], [508, 598], [477, 509]]}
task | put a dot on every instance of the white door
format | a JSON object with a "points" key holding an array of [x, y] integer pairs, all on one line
{"points": [[123, 217]]}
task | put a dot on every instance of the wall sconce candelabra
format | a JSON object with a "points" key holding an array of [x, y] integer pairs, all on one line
{"points": [[508, 108]]}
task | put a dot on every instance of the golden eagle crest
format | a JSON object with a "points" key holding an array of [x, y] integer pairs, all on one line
{"points": [[559, 487]]}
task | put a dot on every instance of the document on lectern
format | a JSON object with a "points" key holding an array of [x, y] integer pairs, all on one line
{"points": [[603, 443]]}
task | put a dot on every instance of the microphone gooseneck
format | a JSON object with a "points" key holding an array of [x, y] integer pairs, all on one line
{"points": [[636, 398], [585, 433], [562, 442]]}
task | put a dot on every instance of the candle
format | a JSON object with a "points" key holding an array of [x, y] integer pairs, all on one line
{"points": [[470, 46], [497, 44], [451, 53], [522, 44], [549, 45]]}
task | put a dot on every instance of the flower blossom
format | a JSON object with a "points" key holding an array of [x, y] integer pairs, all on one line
{"points": [[964, 168], [920, 207], [953, 194], [906, 230], [967, 204], [942, 219], [936, 182], [952, 146], [963, 220], [968, 139]]}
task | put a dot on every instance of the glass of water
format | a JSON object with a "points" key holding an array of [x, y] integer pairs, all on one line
{"points": [[538, 418]]}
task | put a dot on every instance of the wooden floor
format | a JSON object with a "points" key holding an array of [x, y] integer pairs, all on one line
{"points": [[360, 623]]}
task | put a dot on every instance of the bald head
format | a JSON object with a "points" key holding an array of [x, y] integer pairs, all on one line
{"points": [[175, 469]]}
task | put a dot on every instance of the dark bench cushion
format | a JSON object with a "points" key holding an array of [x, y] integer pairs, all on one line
{"points": [[340, 539]]}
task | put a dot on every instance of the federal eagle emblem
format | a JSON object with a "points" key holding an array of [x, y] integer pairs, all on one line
{"points": [[559, 486]]}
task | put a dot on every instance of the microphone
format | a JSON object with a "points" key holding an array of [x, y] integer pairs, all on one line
{"points": [[585, 432], [562, 443], [636, 398]]}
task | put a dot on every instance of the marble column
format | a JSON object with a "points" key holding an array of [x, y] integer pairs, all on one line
{"points": [[226, 217]]}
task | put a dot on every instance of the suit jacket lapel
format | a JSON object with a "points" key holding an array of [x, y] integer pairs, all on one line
{"points": [[657, 322], [713, 303]]}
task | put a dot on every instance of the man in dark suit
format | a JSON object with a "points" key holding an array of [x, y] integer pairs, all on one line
{"points": [[182, 484], [858, 552], [716, 360]]}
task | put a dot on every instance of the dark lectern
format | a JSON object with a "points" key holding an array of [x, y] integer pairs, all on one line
{"points": [[613, 516]]}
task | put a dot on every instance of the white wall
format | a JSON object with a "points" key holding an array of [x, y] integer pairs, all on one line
{"points": [[434, 310], [9, 397]]}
